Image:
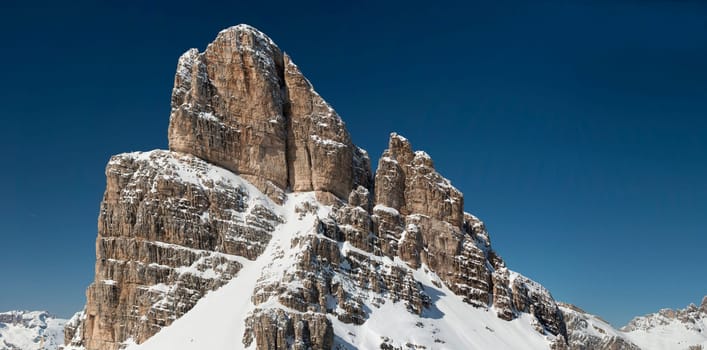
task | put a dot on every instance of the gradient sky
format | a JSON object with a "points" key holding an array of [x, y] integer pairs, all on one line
{"points": [[576, 130]]}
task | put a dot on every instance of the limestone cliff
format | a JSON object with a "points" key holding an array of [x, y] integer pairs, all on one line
{"points": [[171, 228], [245, 106]]}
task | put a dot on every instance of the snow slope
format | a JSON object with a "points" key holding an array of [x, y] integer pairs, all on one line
{"points": [[30, 330], [670, 329], [672, 336], [217, 321], [449, 324], [664, 330]]}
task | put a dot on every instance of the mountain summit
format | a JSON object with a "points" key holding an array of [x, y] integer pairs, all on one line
{"points": [[263, 227]]}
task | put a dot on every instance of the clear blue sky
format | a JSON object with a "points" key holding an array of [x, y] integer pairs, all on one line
{"points": [[576, 129]]}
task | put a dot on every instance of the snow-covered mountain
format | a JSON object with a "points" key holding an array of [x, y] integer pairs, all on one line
{"points": [[264, 227], [30, 330], [670, 329], [587, 331], [667, 329], [264, 200]]}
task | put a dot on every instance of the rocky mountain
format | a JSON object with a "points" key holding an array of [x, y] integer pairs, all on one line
{"points": [[30, 330], [671, 329], [667, 329], [264, 227], [587, 331]]}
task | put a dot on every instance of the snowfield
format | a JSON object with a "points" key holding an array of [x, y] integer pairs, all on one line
{"points": [[30, 330], [669, 334]]}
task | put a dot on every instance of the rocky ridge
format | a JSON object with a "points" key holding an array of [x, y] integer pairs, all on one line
{"points": [[666, 329], [671, 329], [247, 132], [588, 331]]}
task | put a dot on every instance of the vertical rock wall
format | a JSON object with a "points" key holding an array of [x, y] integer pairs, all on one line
{"points": [[244, 105]]}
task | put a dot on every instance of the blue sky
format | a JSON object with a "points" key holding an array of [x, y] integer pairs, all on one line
{"points": [[577, 130]]}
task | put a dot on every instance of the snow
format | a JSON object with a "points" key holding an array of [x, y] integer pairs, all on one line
{"points": [[186, 62], [327, 142], [397, 136], [389, 210], [651, 332], [389, 160], [449, 324], [217, 320], [671, 335], [191, 170], [594, 326], [31, 330], [208, 116], [248, 28], [423, 155]]}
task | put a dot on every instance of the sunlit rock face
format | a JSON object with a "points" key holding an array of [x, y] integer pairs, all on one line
{"points": [[171, 228], [244, 105]]}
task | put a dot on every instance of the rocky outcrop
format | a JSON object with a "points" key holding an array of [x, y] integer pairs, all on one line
{"points": [[278, 329], [421, 213], [73, 330], [327, 275], [589, 332], [171, 228], [244, 105]]}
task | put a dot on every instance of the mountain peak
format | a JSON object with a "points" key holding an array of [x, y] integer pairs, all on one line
{"points": [[672, 328], [263, 119], [243, 27], [263, 226]]}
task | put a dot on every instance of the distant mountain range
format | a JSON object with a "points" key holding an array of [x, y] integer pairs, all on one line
{"points": [[30, 330]]}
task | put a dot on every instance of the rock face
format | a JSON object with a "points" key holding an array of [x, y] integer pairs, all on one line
{"points": [[30, 330], [247, 136], [171, 228], [245, 106], [421, 213], [586, 332]]}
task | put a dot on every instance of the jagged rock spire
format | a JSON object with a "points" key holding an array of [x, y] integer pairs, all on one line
{"points": [[408, 182], [244, 105]]}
